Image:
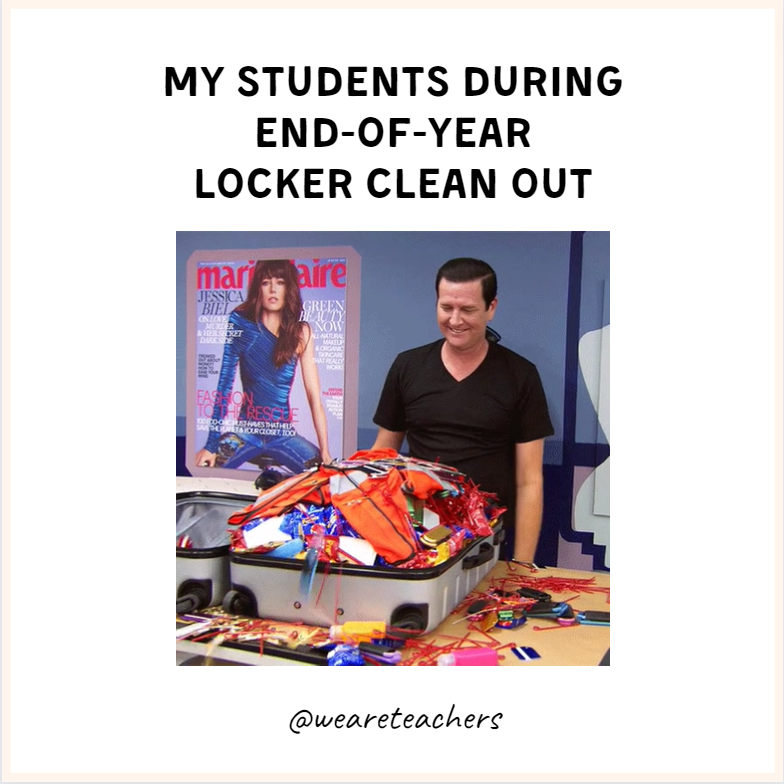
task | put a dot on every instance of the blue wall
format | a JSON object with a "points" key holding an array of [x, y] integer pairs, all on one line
{"points": [[551, 291]]}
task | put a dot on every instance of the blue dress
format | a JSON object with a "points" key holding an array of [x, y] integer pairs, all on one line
{"points": [[264, 420]]}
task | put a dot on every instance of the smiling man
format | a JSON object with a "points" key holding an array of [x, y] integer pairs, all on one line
{"points": [[472, 404]]}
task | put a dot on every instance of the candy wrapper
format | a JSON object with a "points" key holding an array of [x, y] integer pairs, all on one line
{"points": [[300, 521], [345, 656]]}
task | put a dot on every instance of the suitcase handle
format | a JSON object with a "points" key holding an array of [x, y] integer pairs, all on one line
{"points": [[483, 556]]}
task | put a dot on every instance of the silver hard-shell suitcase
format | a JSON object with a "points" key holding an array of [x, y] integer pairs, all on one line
{"points": [[203, 508], [413, 599]]}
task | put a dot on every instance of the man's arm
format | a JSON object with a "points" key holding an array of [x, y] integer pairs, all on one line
{"points": [[389, 439], [530, 494]]}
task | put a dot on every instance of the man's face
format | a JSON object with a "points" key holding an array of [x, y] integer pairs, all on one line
{"points": [[461, 313]]}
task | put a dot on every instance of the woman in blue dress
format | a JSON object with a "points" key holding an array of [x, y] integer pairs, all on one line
{"points": [[269, 340]]}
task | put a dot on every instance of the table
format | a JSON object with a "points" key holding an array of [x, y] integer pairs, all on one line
{"points": [[576, 645]]}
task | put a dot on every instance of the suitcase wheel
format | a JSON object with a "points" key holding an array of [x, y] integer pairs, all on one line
{"points": [[239, 602], [194, 595], [411, 617]]}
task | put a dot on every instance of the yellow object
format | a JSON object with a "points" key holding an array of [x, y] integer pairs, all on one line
{"points": [[358, 631], [443, 553]]}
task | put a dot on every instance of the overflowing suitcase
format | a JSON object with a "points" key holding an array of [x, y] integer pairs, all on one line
{"points": [[374, 538], [203, 509]]}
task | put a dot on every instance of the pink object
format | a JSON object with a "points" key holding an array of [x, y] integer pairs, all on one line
{"points": [[469, 657]]}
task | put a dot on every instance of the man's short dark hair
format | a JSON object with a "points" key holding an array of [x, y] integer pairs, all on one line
{"points": [[464, 270]]}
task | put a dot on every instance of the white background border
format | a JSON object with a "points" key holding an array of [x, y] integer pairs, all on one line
{"points": [[687, 157]]}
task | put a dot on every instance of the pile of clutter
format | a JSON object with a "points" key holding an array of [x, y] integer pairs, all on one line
{"points": [[376, 508]]}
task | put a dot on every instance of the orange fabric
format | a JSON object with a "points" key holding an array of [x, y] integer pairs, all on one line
{"points": [[378, 512], [311, 490], [420, 484], [374, 454]]}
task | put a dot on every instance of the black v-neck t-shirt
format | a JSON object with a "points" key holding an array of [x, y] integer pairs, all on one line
{"points": [[471, 424]]}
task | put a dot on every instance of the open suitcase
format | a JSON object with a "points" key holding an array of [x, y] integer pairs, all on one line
{"points": [[413, 599], [203, 507]]}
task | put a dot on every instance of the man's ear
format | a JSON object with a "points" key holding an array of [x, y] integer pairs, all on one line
{"points": [[491, 309]]}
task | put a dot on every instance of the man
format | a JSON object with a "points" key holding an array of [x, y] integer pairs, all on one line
{"points": [[472, 404]]}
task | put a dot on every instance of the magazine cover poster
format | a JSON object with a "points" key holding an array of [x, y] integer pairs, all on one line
{"points": [[269, 375]]}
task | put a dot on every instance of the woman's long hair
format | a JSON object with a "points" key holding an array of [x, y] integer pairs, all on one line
{"points": [[291, 313]]}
